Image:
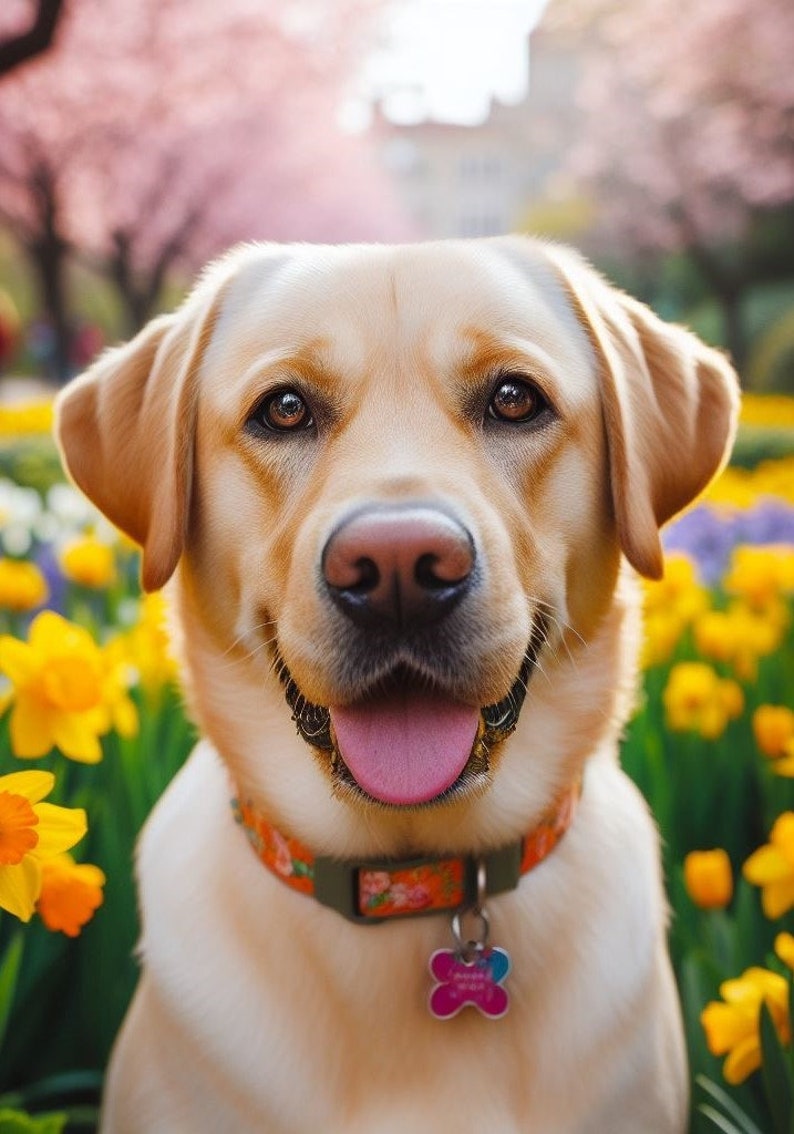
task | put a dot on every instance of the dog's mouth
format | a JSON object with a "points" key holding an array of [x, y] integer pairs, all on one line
{"points": [[406, 743]]}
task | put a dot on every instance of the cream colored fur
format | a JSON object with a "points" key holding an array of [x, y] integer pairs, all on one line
{"points": [[258, 1010]]}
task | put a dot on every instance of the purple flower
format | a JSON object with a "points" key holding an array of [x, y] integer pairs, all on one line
{"points": [[49, 567], [708, 536]]}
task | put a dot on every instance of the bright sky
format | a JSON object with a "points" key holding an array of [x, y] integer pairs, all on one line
{"points": [[444, 59]]}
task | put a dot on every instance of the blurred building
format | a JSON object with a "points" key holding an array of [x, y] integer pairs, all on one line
{"points": [[504, 174]]}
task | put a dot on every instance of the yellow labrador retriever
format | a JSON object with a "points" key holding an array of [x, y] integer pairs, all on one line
{"points": [[402, 883]]}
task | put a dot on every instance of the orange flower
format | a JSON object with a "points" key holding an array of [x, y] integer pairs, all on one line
{"points": [[70, 894]]}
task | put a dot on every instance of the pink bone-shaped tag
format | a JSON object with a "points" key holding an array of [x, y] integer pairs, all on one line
{"points": [[477, 982]]}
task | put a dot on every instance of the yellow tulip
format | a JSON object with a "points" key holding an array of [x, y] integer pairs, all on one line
{"points": [[708, 877]]}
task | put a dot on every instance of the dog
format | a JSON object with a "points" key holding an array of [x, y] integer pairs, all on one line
{"points": [[401, 497]]}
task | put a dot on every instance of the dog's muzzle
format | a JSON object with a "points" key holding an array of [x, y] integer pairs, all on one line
{"points": [[496, 722], [398, 572]]}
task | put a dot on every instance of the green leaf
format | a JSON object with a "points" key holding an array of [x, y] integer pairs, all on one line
{"points": [[776, 1074], [720, 1121], [9, 971], [739, 1120], [17, 1122]]}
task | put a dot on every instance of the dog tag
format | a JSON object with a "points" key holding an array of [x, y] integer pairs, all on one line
{"points": [[463, 982]]}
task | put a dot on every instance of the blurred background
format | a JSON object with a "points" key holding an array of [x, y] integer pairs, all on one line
{"points": [[138, 140]]}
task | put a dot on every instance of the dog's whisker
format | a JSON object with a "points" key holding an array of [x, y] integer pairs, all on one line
{"points": [[248, 633], [249, 655]]}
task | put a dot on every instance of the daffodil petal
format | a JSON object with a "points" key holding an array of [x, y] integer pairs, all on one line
{"points": [[17, 660], [743, 1060], [30, 731], [59, 828], [20, 887], [784, 947], [47, 630], [32, 786], [766, 865], [76, 737], [723, 1025], [777, 898], [125, 718]]}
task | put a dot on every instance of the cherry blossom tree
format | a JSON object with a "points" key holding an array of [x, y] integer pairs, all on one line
{"points": [[687, 132], [159, 132]]}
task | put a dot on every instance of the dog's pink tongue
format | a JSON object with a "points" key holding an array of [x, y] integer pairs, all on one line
{"points": [[408, 748]]}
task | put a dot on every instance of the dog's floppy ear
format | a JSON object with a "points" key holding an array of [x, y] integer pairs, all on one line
{"points": [[125, 431], [670, 408]]}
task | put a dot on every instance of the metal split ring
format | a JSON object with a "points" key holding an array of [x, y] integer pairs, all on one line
{"points": [[470, 947]]}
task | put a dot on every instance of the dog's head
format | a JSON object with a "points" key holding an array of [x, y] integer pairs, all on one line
{"points": [[396, 482]]}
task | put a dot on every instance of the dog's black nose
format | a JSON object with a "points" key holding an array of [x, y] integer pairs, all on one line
{"points": [[398, 566]]}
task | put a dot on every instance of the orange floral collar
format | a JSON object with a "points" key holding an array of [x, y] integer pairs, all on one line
{"points": [[377, 890]]}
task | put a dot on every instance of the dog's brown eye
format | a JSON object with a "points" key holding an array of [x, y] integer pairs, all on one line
{"points": [[516, 400], [283, 411]]}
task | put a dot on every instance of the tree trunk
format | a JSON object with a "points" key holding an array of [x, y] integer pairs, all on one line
{"points": [[730, 300], [133, 293], [49, 251]]}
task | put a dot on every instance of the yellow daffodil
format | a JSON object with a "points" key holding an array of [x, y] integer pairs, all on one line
{"points": [[773, 411], [732, 1026], [742, 488], [117, 709], [70, 894], [741, 635], [22, 586], [89, 562], [147, 647], [773, 728], [661, 634], [708, 878], [31, 832], [784, 947], [58, 678], [772, 868], [17, 420], [761, 574], [696, 698], [670, 605]]}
